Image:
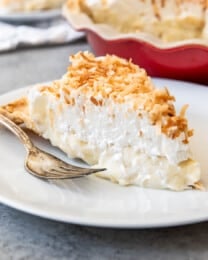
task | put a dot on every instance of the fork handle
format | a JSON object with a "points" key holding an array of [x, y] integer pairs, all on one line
{"points": [[24, 138]]}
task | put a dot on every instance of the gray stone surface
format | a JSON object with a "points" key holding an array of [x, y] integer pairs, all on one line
{"points": [[23, 236], [28, 66]]}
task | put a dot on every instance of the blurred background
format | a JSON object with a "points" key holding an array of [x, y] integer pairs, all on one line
{"points": [[167, 38]]}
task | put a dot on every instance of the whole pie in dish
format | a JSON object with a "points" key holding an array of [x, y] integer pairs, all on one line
{"points": [[10, 6], [106, 111], [168, 20]]}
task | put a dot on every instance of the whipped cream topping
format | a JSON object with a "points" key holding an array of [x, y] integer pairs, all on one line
{"points": [[109, 124], [113, 136]]}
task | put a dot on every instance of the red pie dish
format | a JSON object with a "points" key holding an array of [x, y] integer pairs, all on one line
{"points": [[182, 60]]}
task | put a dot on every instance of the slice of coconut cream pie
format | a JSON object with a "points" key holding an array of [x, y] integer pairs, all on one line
{"points": [[107, 112]]}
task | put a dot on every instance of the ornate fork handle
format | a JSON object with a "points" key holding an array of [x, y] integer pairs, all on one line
{"points": [[15, 129]]}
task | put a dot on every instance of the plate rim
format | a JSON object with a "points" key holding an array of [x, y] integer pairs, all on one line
{"points": [[30, 16]]}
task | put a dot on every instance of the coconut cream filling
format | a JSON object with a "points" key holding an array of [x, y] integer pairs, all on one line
{"points": [[113, 136]]}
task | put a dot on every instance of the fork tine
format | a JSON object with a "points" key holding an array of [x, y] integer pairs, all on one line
{"points": [[68, 167], [73, 168], [53, 174], [76, 168], [44, 175], [76, 171]]}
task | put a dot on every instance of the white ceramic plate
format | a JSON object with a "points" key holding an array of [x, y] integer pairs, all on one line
{"points": [[30, 17], [97, 202]]}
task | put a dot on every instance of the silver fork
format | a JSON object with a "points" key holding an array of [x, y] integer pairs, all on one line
{"points": [[42, 164]]}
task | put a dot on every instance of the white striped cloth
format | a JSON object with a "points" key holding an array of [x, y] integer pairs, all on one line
{"points": [[56, 31]]}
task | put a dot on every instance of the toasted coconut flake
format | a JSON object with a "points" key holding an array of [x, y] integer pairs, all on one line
{"points": [[198, 186]]}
